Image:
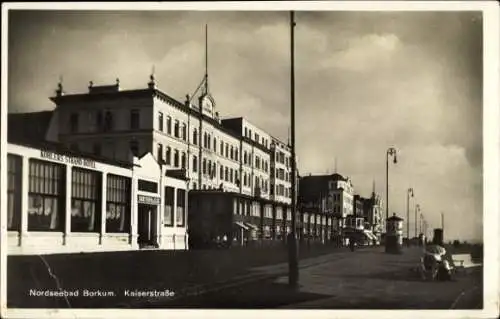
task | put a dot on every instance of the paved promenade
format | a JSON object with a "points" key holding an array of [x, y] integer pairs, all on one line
{"points": [[372, 279], [365, 279]]}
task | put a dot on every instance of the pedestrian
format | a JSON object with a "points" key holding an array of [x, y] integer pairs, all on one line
{"points": [[351, 243]]}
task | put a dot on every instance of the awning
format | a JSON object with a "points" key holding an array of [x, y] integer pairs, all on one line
{"points": [[370, 235], [252, 226], [241, 225]]}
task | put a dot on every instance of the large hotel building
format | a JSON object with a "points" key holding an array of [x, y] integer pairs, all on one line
{"points": [[111, 169]]}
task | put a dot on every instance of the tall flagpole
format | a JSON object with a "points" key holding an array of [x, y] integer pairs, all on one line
{"points": [[206, 58], [293, 269]]}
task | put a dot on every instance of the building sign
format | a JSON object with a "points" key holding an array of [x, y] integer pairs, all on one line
{"points": [[149, 200], [68, 159]]}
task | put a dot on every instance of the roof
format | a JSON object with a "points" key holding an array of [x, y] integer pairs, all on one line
{"points": [[28, 126]]}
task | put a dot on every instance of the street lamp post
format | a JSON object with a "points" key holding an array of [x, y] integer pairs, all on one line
{"points": [[293, 267], [417, 209], [408, 194], [391, 151]]}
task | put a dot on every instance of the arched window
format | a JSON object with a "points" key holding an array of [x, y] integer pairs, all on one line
{"points": [[195, 164]]}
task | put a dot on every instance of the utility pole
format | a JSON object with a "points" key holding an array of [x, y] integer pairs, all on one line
{"points": [[293, 268], [408, 194]]}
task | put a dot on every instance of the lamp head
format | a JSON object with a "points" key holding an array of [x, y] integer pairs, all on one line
{"points": [[395, 158]]}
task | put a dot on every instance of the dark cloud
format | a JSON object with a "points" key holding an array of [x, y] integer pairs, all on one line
{"points": [[364, 81]]}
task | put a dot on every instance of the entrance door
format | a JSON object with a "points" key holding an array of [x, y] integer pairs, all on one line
{"points": [[147, 225]]}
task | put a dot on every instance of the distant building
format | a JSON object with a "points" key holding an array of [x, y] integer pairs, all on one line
{"points": [[332, 194], [244, 219]]}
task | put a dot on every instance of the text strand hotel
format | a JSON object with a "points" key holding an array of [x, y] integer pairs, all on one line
{"points": [[113, 169]]}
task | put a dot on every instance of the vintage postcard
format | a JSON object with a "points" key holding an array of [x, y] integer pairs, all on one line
{"points": [[326, 159]]}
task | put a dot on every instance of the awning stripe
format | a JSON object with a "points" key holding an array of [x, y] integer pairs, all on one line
{"points": [[241, 225]]}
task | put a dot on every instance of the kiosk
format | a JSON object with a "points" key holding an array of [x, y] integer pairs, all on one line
{"points": [[394, 236]]}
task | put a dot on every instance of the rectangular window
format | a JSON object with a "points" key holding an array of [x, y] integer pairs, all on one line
{"points": [[118, 204], [195, 164], [176, 129], [221, 148], [159, 153], [85, 200], [160, 121], [169, 125], [168, 217], [147, 186], [73, 123], [184, 132], [14, 191], [134, 119], [46, 196], [181, 205], [168, 156]]}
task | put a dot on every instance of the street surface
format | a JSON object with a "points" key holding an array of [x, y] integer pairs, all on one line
{"points": [[364, 279]]}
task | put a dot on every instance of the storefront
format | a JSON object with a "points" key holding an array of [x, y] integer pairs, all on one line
{"points": [[61, 202]]}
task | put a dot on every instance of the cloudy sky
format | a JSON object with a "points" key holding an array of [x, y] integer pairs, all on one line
{"points": [[364, 81]]}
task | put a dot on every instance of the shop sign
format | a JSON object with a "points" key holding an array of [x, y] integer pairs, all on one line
{"points": [[149, 200], [67, 159]]}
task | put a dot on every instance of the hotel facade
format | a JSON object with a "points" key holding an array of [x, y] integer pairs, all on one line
{"points": [[113, 168], [227, 154], [62, 202]]}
